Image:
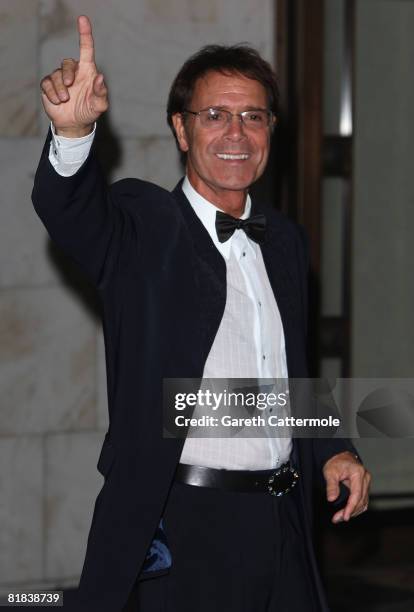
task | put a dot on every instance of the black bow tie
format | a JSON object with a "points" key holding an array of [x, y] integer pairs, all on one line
{"points": [[254, 226]]}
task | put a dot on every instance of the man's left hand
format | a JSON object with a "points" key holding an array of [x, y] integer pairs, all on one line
{"points": [[346, 468]]}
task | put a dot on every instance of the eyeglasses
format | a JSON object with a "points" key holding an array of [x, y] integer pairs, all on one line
{"points": [[218, 118]]}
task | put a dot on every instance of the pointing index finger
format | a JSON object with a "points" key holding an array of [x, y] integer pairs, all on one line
{"points": [[86, 45]]}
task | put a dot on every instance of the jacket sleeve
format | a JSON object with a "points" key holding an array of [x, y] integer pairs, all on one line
{"points": [[82, 216], [325, 448]]}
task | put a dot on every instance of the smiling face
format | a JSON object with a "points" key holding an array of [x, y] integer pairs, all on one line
{"points": [[223, 163]]}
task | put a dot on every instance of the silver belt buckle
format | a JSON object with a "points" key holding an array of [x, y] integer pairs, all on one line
{"points": [[276, 473]]}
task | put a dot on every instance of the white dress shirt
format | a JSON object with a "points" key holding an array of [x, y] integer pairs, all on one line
{"points": [[250, 340], [68, 154]]}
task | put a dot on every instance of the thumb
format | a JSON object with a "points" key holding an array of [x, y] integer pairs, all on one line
{"points": [[332, 488]]}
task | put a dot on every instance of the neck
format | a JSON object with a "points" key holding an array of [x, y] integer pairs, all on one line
{"points": [[231, 202]]}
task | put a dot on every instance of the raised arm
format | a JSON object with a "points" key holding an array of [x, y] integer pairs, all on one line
{"points": [[80, 212]]}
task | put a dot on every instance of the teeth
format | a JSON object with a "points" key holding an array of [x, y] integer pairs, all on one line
{"points": [[232, 156]]}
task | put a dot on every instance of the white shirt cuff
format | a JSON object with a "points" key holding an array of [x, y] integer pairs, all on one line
{"points": [[68, 154]]}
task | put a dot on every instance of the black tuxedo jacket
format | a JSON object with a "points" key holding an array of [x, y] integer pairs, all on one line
{"points": [[162, 284]]}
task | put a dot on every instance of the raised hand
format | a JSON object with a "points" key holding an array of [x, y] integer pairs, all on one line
{"points": [[75, 95]]}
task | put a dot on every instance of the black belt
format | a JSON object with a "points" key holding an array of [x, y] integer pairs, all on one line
{"points": [[276, 482]]}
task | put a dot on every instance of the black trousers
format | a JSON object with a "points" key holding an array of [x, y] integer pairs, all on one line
{"points": [[232, 552]]}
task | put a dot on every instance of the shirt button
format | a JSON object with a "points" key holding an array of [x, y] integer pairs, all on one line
{"points": [[260, 303], [244, 254], [264, 356]]}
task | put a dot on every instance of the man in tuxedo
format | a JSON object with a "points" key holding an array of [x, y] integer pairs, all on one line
{"points": [[197, 283]]}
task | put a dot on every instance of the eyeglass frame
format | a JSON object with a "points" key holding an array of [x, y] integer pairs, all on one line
{"points": [[230, 115]]}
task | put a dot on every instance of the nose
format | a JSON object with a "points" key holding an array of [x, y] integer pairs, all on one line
{"points": [[235, 129]]}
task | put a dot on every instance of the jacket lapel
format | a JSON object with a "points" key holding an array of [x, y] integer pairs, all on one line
{"points": [[209, 272]]}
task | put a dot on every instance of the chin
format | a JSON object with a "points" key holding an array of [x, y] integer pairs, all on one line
{"points": [[240, 185], [235, 183]]}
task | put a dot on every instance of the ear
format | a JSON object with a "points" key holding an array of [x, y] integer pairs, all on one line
{"points": [[179, 127]]}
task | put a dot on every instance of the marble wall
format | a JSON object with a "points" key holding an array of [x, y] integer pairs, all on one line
{"points": [[53, 411]]}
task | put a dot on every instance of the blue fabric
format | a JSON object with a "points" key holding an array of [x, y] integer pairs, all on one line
{"points": [[158, 556]]}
